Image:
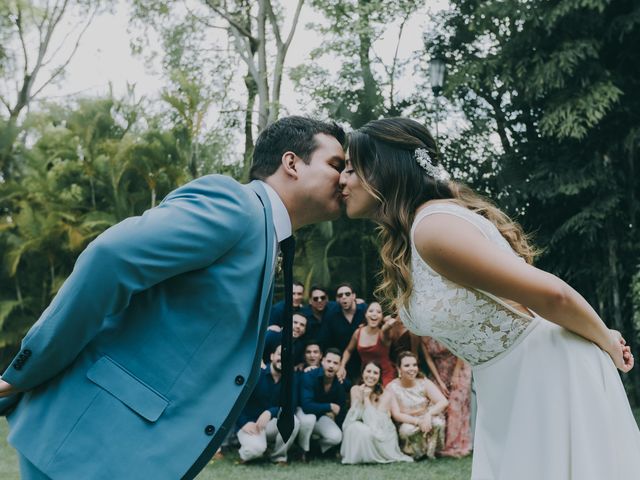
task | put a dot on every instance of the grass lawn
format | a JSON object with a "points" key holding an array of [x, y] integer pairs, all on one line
{"points": [[441, 469]]}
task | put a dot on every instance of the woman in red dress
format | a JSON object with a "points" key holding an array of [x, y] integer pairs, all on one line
{"points": [[453, 376], [372, 344]]}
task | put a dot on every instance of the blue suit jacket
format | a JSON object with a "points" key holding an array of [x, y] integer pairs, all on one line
{"points": [[314, 399], [146, 356]]}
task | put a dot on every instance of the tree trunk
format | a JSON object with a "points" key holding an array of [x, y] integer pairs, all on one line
{"points": [[263, 72], [193, 160], [501, 121], [18, 291], [369, 102], [631, 189], [7, 140], [274, 106], [52, 273], [252, 91], [614, 279], [93, 191]]}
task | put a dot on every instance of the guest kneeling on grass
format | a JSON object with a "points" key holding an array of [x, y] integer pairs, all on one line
{"points": [[324, 396], [312, 360], [257, 422], [419, 410], [369, 435]]}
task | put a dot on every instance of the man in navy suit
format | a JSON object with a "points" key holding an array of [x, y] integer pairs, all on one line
{"points": [[277, 310], [257, 425], [323, 396], [318, 310], [142, 362]]}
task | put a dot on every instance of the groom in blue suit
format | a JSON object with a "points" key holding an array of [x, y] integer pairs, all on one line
{"points": [[143, 361]]}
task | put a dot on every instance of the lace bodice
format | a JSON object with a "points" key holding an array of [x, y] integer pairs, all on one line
{"points": [[475, 325]]}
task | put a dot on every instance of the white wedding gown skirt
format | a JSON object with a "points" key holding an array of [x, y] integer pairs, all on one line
{"points": [[553, 407]]}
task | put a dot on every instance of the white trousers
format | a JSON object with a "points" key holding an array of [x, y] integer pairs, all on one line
{"points": [[327, 433], [254, 446], [307, 422]]}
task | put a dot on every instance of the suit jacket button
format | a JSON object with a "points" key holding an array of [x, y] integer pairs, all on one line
{"points": [[239, 380], [26, 352], [17, 366], [209, 430]]}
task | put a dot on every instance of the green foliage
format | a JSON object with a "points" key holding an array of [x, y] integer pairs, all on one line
{"points": [[635, 295], [355, 92], [539, 108], [573, 117], [556, 86], [89, 165], [200, 68], [357, 89]]}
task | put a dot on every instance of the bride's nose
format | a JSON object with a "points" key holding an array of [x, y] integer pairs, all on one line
{"points": [[343, 180]]}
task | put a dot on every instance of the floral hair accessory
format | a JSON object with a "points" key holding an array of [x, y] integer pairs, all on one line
{"points": [[424, 160]]}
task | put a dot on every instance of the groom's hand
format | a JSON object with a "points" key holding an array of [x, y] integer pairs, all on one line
{"points": [[6, 389]]}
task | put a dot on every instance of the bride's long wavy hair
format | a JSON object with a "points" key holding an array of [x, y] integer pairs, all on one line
{"points": [[382, 155]]}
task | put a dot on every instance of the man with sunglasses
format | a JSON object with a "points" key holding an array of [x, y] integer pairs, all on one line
{"points": [[341, 322], [318, 310]]}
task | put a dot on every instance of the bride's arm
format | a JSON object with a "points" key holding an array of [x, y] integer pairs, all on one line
{"points": [[457, 250]]}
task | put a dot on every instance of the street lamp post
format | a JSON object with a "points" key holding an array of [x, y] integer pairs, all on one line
{"points": [[436, 77]]}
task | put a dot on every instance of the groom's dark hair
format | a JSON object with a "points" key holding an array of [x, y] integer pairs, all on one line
{"points": [[289, 134]]}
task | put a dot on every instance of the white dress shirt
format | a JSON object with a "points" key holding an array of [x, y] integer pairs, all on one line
{"points": [[281, 222]]}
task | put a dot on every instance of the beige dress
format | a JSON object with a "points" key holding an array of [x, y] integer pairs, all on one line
{"points": [[413, 401], [370, 437]]}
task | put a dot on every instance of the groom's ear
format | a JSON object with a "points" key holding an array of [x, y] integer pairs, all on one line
{"points": [[289, 164]]}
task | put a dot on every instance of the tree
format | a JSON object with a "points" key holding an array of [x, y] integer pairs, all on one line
{"points": [[363, 86], [254, 33], [35, 54], [93, 163], [198, 91], [361, 89], [556, 87], [251, 44]]}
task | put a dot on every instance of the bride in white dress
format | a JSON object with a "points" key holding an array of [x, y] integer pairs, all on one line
{"points": [[551, 405]]}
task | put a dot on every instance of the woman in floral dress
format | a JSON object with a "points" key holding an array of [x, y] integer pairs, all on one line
{"points": [[453, 376]]}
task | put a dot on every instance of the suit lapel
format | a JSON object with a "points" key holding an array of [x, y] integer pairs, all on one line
{"points": [[265, 293]]}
